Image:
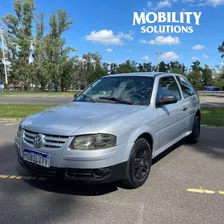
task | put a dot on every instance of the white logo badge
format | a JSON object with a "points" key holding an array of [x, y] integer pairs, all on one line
{"points": [[38, 141]]}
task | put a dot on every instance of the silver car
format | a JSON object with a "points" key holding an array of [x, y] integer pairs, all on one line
{"points": [[112, 130]]}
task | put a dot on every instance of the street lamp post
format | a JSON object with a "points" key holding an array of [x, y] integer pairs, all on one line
{"points": [[3, 51], [158, 59]]}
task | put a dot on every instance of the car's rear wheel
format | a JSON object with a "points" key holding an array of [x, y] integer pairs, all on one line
{"points": [[139, 164], [196, 130]]}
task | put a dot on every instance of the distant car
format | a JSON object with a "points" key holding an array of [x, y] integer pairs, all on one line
{"points": [[212, 88], [112, 130]]}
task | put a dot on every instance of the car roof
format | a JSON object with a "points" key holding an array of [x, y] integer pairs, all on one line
{"points": [[151, 74], [146, 74]]}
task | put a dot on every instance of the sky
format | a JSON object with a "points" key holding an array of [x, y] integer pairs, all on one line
{"points": [[107, 27]]}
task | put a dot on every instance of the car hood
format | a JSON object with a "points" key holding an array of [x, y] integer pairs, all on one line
{"points": [[68, 119]]}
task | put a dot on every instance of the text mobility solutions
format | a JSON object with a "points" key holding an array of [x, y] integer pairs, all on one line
{"points": [[169, 18]]}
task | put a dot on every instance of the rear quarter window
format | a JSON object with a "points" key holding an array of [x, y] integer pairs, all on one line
{"points": [[186, 87]]}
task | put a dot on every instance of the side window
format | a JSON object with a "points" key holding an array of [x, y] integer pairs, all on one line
{"points": [[186, 87], [168, 87]]}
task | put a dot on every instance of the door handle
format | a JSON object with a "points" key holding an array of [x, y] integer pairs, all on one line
{"points": [[184, 108]]}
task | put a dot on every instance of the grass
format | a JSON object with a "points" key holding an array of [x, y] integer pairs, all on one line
{"points": [[20, 111], [210, 116]]}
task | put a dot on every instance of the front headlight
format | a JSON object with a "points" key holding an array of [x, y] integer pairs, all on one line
{"points": [[95, 141], [19, 132]]}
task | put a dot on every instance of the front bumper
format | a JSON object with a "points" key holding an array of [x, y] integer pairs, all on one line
{"points": [[88, 166], [101, 175]]}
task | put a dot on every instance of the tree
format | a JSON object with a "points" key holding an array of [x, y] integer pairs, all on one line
{"points": [[51, 57], [207, 76], [67, 72], [195, 78], [113, 68], [2, 72], [219, 76], [98, 70], [127, 67], [19, 40], [140, 68], [195, 75], [196, 66], [147, 67], [41, 75], [163, 67], [221, 49], [87, 69], [41, 59], [178, 68], [105, 67], [56, 54]]}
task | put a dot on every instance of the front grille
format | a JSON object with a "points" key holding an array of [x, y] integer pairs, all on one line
{"points": [[50, 141]]}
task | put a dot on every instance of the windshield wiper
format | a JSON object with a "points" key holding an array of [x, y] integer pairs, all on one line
{"points": [[116, 100], [89, 97]]}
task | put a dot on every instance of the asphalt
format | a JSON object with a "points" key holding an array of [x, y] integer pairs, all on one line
{"points": [[35, 99], [163, 199]]}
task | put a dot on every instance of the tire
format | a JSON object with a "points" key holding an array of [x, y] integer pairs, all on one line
{"points": [[195, 135], [138, 165]]}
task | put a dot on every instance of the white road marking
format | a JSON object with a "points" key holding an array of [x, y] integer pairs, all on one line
{"points": [[12, 123]]}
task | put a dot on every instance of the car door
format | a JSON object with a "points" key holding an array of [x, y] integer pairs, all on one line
{"points": [[170, 118], [190, 101]]}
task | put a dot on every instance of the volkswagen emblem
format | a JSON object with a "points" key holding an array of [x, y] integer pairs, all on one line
{"points": [[38, 141]]}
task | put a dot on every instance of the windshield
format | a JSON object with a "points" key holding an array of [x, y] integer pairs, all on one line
{"points": [[134, 90]]}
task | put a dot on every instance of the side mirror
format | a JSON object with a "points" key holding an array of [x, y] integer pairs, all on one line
{"points": [[75, 95], [166, 100]]}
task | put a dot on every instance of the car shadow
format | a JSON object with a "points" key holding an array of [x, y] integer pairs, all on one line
{"points": [[83, 189], [168, 151], [211, 142], [73, 187], [9, 165]]}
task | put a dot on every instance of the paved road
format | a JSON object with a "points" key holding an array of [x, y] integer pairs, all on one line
{"points": [[32, 99], [208, 101], [163, 199]]}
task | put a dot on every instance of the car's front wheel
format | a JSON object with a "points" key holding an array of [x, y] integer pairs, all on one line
{"points": [[139, 164], [195, 135]]}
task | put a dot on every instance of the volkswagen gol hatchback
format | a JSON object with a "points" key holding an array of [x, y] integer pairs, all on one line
{"points": [[112, 130]]}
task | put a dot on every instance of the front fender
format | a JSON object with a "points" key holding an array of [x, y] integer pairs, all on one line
{"points": [[138, 132]]}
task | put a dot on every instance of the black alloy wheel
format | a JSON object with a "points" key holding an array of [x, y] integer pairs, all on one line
{"points": [[196, 130], [139, 164]]}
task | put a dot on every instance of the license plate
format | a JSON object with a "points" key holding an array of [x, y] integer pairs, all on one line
{"points": [[39, 158]]}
